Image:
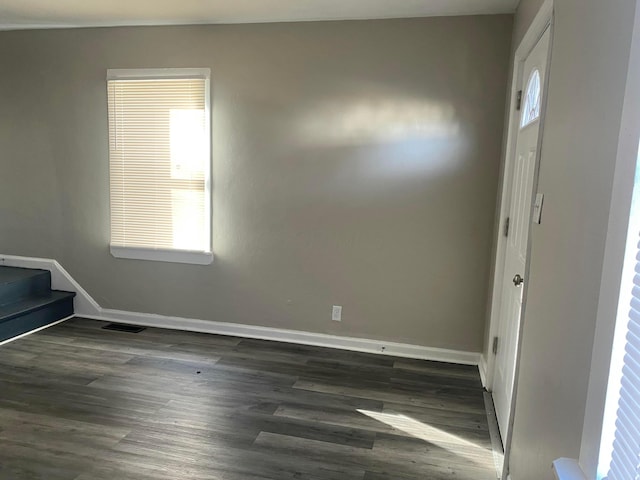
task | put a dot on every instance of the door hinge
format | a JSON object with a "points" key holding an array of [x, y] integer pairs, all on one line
{"points": [[519, 100], [506, 227], [494, 348]]}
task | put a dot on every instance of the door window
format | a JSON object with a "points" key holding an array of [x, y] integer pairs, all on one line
{"points": [[531, 108]]}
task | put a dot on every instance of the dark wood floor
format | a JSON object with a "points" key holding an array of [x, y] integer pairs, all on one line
{"points": [[78, 403]]}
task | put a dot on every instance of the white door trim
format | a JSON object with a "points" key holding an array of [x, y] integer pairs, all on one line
{"points": [[542, 21], [537, 28]]}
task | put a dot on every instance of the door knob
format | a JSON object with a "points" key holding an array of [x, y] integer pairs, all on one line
{"points": [[518, 280]]}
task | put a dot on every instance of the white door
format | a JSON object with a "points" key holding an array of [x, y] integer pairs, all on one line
{"points": [[522, 174]]}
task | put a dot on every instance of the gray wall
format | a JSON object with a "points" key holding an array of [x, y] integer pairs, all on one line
{"points": [[590, 56], [354, 163], [527, 11]]}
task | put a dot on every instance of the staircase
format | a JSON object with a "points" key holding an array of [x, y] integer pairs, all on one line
{"points": [[27, 301]]}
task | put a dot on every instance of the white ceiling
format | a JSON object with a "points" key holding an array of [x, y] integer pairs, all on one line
{"points": [[19, 14]]}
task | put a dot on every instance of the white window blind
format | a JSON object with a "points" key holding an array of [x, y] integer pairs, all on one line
{"points": [[625, 451], [159, 153]]}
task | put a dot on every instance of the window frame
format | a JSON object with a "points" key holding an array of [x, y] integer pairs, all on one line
{"points": [[626, 161], [162, 254]]}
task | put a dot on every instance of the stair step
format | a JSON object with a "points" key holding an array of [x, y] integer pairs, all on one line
{"points": [[32, 303], [17, 284], [34, 312]]}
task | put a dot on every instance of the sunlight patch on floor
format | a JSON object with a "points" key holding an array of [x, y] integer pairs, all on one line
{"points": [[476, 454]]}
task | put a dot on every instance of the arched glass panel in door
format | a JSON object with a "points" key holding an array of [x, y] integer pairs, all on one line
{"points": [[531, 101]]}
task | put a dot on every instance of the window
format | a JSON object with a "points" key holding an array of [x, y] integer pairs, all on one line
{"points": [[531, 109], [159, 156], [620, 445]]}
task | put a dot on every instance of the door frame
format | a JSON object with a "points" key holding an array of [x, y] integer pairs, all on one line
{"points": [[542, 21], [537, 28]]}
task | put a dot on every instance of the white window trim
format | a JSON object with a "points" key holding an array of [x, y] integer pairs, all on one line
{"points": [[142, 73], [162, 255], [568, 469], [173, 255], [619, 215]]}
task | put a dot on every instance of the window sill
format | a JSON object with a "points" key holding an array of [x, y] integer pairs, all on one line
{"points": [[568, 469], [158, 255]]}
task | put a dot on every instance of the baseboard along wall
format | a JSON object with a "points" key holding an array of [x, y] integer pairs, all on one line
{"points": [[86, 306], [482, 368]]}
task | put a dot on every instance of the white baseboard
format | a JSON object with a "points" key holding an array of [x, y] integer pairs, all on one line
{"points": [[290, 336], [482, 368], [86, 306]]}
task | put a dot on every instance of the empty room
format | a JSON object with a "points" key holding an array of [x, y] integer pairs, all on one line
{"points": [[319, 240]]}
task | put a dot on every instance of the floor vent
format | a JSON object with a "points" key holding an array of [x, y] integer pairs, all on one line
{"points": [[121, 327]]}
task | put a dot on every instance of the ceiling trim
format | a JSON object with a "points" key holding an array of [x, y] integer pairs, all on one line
{"points": [[36, 24]]}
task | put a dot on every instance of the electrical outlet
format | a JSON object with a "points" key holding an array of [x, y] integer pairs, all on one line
{"points": [[336, 313]]}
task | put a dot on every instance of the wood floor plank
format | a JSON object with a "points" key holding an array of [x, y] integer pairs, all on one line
{"points": [[430, 398], [435, 462], [82, 403]]}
